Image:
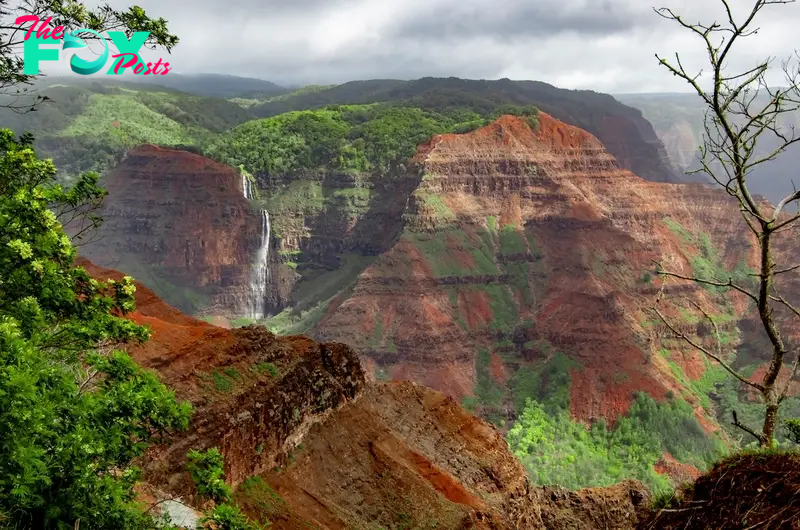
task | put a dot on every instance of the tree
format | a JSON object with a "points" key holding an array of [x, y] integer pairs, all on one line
{"points": [[75, 410], [206, 470], [71, 14], [741, 110]]}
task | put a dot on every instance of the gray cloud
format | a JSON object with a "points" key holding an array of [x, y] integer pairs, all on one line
{"points": [[511, 19], [605, 45]]}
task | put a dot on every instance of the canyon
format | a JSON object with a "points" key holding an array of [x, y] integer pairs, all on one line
{"points": [[180, 223], [502, 264]]}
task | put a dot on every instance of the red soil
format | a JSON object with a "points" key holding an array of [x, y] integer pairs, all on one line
{"points": [[498, 369], [476, 308]]}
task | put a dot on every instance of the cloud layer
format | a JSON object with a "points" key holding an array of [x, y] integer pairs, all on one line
{"points": [[604, 45]]}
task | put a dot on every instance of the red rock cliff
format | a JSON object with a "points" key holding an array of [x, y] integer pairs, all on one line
{"points": [[178, 222], [520, 244]]}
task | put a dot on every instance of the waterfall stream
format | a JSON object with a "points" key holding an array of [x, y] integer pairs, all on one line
{"points": [[259, 273]]}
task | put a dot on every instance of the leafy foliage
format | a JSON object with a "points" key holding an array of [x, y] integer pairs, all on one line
{"points": [[347, 138], [74, 414], [206, 470], [793, 428], [90, 126], [556, 450], [71, 15]]}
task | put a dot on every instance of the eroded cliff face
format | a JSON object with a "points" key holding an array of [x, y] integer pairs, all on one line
{"points": [[179, 222], [520, 245], [308, 443]]}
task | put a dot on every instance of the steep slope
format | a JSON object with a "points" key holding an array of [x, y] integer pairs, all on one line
{"points": [[621, 129], [515, 239], [760, 490], [308, 444], [179, 222]]}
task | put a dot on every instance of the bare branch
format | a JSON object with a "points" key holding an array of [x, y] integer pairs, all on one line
{"points": [[792, 374], [713, 282], [745, 428], [695, 345]]}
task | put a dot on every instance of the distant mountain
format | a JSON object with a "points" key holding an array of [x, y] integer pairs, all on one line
{"points": [[213, 85], [678, 122], [621, 128]]}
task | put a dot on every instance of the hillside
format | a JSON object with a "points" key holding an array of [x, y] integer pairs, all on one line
{"points": [[622, 129], [214, 85], [678, 122], [309, 444], [89, 126]]}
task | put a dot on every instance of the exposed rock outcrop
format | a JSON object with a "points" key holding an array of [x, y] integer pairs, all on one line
{"points": [[308, 443], [179, 222], [743, 491]]}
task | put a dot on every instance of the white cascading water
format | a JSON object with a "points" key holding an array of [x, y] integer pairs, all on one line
{"points": [[259, 274], [247, 188]]}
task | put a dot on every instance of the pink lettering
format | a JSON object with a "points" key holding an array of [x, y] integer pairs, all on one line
{"points": [[130, 63], [28, 18], [166, 69], [44, 32], [155, 68]]}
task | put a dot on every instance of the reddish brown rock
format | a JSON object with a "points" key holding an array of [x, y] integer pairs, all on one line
{"points": [[597, 230], [333, 452], [179, 222]]}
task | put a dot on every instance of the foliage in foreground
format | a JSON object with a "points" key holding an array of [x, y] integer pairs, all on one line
{"points": [[74, 410], [206, 470]]}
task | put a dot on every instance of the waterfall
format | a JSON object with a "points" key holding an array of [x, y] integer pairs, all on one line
{"points": [[247, 187], [259, 274]]}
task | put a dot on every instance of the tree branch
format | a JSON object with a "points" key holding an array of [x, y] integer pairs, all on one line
{"points": [[722, 363]]}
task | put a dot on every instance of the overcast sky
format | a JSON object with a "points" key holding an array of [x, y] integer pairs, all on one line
{"points": [[604, 45]]}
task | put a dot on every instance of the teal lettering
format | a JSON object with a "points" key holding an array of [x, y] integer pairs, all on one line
{"points": [[126, 46], [33, 53]]}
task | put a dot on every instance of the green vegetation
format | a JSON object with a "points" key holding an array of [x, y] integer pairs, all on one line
{"points": [[708, 264], [504, 308], [269, 368], [512, 241], [488, 393], [70, 454], [448, 252], [351, 138], [257, 493], [293, 321], [207, 473], [547, 383], [75, 410], [556, 450], [222, 382], [206, 470], [730, 397], [89, 126]]}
